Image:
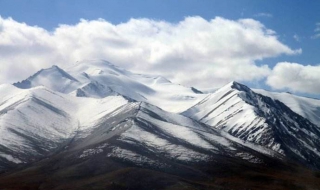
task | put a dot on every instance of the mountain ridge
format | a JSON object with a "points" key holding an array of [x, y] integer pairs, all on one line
{"points": [[252, 117], [95, 111]]}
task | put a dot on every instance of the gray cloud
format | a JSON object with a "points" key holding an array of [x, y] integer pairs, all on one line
{"points": [[295, 77], [194, 51]]}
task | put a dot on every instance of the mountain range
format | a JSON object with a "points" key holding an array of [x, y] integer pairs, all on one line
{"points": [[98, 126]]}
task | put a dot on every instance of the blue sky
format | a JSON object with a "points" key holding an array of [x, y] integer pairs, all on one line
{"points": [[293, 21]]}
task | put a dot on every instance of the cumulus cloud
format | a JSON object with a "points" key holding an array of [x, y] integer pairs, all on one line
{"points": [[194, 51], [295, 77]]}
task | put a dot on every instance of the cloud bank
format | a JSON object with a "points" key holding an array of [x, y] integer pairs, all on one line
{"points": [[295, 77], [194, 51]]}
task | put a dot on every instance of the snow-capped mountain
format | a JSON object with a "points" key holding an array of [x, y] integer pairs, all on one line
{"points": [[96, 112], [38, 121], [242, 113], [53, 78], [100, 79]]}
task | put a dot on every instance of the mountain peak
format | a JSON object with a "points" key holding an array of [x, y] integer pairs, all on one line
{"points": [[62, 72], [54, 78], [238, 86], [54, 66], [97, 67], [233, 85]]}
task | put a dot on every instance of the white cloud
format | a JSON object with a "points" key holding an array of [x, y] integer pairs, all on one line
{"points": [[193, 51], [317, 31], [295, 77], [264, 15], [296, 37]]}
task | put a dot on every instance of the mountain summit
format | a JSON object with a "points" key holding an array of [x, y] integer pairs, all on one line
{"points": [[54, 78]]}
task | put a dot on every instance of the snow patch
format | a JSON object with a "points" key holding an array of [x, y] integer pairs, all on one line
{"points": [[11, 158]]}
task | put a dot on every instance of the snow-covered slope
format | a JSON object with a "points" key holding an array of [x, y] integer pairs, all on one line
{"points": [[306, 107], [35, 122], [99, 79], [156, 90], [32, 126], [249, 116], [145, 135]]}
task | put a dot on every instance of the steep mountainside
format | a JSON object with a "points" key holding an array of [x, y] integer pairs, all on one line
{"points": [[306, 107], [252, 117], [36, 122], [146, 135]]}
